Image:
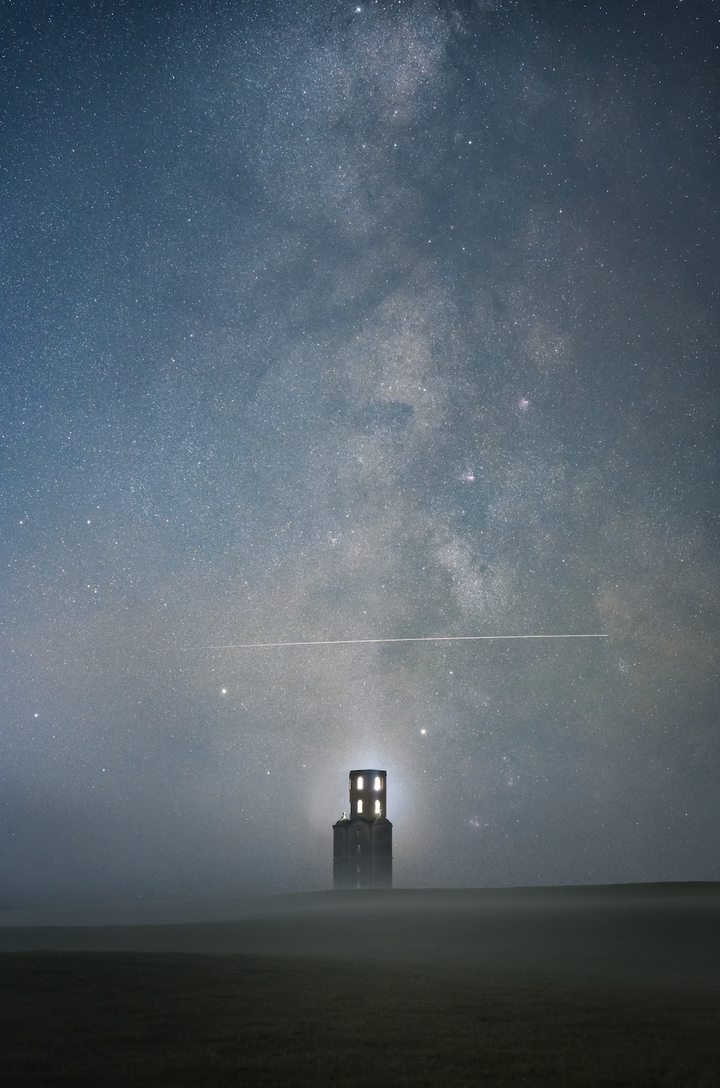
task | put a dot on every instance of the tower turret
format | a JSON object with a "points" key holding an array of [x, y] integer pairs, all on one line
{"points": [[362, 853]]}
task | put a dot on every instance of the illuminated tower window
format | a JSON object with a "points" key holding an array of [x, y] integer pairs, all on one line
{"points": [[377, 808], [378, 786], [359, 806], [360, 783]]}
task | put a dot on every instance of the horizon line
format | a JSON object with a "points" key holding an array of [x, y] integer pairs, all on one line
{"points": [[365, 641]]}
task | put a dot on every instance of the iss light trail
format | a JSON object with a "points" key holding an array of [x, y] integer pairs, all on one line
{"points": [[366, 641]]}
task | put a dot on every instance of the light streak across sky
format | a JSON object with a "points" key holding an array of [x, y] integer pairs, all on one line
{"points": [[362, 641]]}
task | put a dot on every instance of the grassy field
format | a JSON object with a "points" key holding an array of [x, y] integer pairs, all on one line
{"points": [[375, 989], [129, 1018]]}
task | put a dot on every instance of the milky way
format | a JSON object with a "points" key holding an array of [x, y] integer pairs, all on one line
{"points": [[335, 323]]}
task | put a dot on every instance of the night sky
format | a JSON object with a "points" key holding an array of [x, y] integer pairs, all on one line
{"points": [[329, 321]]}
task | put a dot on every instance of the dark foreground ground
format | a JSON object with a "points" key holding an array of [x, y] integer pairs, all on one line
{"points": [[570, 986]]}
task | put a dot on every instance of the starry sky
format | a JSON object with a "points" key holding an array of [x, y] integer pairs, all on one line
{"points": [[327, 321]]}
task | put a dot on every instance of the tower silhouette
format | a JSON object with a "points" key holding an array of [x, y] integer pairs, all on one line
{"points": [[362, 841]]}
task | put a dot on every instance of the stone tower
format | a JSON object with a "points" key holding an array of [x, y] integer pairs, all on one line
{"points": [[362, 842]]}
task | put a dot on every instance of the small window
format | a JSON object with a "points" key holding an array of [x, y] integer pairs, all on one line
{"points": [[359, 848], [377, 808], [359, 806], [360, 782], [378, 785]]}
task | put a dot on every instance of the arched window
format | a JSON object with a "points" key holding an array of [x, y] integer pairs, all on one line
{"points": [[377, 808], [359, 806], [360, 782], [378, 785]]}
